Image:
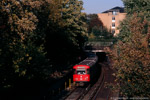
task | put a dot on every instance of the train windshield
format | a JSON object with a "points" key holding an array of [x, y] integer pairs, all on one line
{"points": [[81, 72]]}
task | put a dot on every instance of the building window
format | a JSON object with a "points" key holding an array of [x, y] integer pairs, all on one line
{"points": [[113, 24], [115, 12], [113, 18]]}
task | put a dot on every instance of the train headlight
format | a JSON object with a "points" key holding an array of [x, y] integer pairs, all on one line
{"points": [[76, 78], [86, 78]]}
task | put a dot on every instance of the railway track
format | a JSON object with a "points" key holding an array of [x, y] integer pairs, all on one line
{"points": [[78, 93], [105, 93], [87, 93], [96, 87]]}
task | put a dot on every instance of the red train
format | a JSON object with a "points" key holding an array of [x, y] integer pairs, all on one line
{"points": [[86, 70]]}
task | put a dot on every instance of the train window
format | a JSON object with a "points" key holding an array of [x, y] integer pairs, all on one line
{"points": [[88, 71], [81, 72]]}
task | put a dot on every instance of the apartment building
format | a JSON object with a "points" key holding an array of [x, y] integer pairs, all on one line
{"points": [[111, 18]]}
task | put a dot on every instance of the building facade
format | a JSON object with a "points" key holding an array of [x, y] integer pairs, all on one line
{"points": [[111, 19]]}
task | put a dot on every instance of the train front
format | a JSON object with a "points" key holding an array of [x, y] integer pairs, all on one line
{"points": [[81, 73]]}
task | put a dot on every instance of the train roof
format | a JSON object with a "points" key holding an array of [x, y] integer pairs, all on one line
{"points": [[89, 61], [81, 67]]}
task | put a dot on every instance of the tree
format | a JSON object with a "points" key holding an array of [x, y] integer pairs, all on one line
{"points": [[141, 7], [37, 36], [95, 27], [94, 21], [19, 55], [132, 62], [131, 54], [136, 6], [67, 29]]}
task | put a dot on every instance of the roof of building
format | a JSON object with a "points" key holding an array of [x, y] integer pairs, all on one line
{"points": [[120, 9]]}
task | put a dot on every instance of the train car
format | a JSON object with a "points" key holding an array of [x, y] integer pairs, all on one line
{"points": [[85, 71]]}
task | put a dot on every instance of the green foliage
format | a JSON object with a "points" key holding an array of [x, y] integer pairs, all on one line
{"points": [[132, 62], [36, 36], [124, 29], [131, 54], [96, 28], [19, 55], [68, 31], [136, 6], [141, 8]]}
